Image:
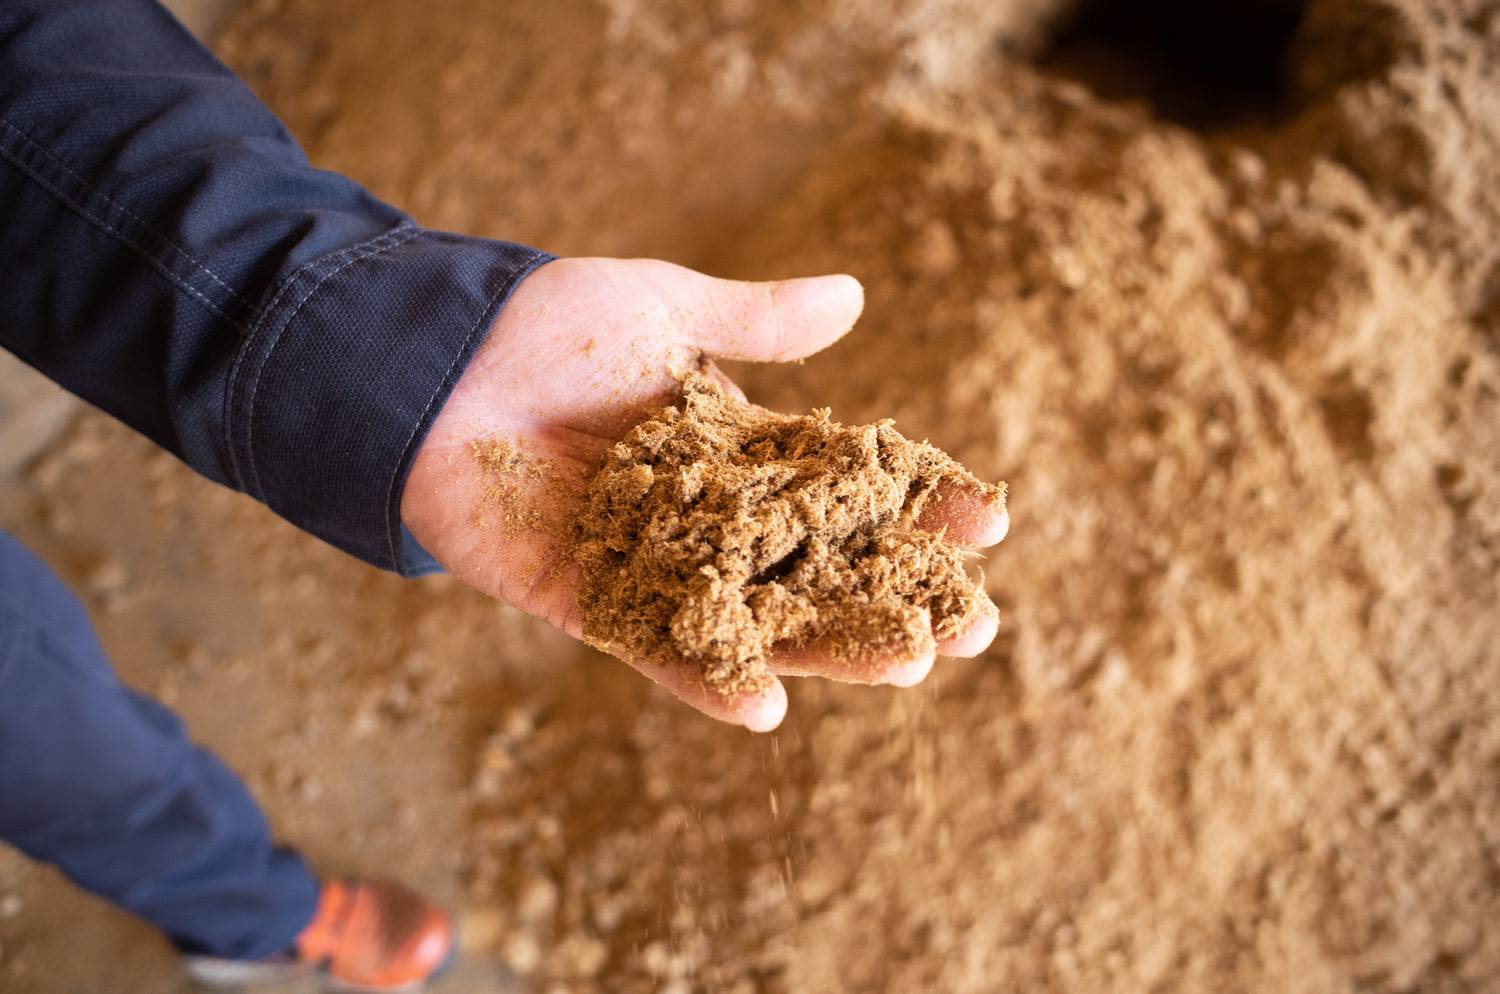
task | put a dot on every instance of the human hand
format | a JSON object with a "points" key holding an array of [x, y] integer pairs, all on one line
{"points": [[581, 353]]}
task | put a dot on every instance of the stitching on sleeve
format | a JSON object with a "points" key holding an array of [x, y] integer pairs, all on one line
{"points": [[232, 389], [120, 236], [95, 191], [390, 492], [392, 239]]}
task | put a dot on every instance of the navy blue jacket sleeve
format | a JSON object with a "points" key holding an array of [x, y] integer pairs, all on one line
{"points": [[168, 254]]}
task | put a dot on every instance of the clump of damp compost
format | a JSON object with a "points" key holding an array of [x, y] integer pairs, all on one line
{"points": [[716, 531]]}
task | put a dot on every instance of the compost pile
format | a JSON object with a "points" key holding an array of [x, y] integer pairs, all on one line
{"points": [[1222, 307]]}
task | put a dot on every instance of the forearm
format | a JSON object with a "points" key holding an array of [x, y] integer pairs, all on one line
{"points": [[169, 254]]}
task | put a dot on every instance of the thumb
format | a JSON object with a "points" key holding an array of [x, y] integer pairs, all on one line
{"points": [[777, 321]]}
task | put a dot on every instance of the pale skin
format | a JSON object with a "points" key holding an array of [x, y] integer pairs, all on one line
{"points": [[583, 350]]}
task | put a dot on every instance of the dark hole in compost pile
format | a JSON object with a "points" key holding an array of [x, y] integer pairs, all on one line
{"points": [[782, 567], [1205, 64]]}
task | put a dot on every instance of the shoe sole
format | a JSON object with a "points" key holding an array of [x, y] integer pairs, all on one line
{"points": [[212, 972]]}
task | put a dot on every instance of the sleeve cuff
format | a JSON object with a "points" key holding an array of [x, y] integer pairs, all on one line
{"points": [[336, 385]]}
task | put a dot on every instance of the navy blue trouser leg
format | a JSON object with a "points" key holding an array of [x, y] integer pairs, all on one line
{"points": [[103, 783]]}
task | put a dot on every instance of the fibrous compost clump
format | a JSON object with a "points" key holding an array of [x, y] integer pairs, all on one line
{"points": [[716, 531]]}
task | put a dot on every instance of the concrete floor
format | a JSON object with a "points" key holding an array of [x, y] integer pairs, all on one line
{"points": [[33, 411]]}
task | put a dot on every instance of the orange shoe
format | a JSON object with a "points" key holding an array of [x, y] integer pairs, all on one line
{"points": [[366, 936]]}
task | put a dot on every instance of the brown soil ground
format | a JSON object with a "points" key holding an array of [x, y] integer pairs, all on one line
{"points": [[1229, 332]]}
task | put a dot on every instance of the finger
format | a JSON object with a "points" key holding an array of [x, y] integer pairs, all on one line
{"points": [[820, 660], [717, 375], [911, 673], [973, 516], [979, 630], [760, 710], [903, 669], [773, 322]]}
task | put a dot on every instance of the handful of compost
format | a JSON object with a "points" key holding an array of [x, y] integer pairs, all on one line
{"points": [[735, 539]]}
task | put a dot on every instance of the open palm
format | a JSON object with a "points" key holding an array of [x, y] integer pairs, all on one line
{"points": [[583, 350]]}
